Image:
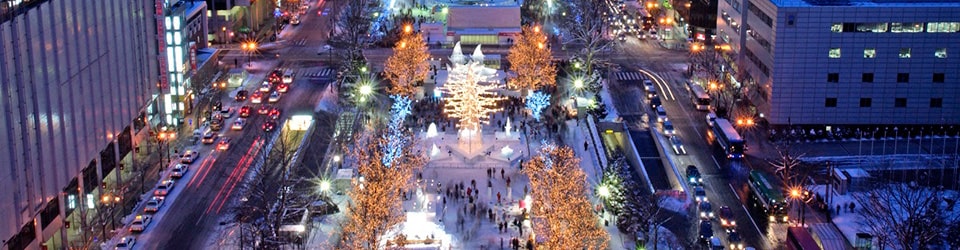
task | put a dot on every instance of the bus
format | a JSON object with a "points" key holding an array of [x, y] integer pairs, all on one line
{"points": [[767, 197], [798, 238], [728, 138], [700, 98]]}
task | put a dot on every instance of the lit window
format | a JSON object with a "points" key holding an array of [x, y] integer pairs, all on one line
{"points": [[869, 53], [943, 27], [906, 27], [834, 52], [836, 28], [905, 53], [872, 27], [941, 53]]}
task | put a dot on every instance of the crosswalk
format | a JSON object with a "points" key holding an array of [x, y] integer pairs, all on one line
{"points": [[629, 76], [300, 42], [322, 73]]}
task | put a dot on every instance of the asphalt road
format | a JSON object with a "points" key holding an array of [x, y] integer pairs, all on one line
{"points": [[724, 180], [207, 193]]}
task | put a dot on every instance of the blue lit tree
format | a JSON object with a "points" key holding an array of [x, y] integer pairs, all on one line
{"points": [[396, 138], [536, 102]]}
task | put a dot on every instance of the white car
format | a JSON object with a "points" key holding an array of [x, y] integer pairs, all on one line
{"points": [[164, 188], [274, 97], [179, 170], [265, 87], [661, 114], [153, 205], [140, 223], [238, 124], [189, 157], [668, 128], [677, 146], [295, 20], [288, 76], [711, 117], [126, 243], [226, 113]]}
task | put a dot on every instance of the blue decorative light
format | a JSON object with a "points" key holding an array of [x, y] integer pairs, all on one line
{"points": [[395, 137], [536, 102]]}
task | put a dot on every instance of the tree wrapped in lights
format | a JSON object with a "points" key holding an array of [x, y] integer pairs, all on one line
{"points": [[536, 102], [531, 60], [375, 204], [395, 138], [408, 64], [468, 100], [560, 197]]}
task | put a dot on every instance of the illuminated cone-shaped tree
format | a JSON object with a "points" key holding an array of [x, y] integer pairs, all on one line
{"points": [[467, 99], [375, 204], [560, 198], [531, 60], [408, 64]]}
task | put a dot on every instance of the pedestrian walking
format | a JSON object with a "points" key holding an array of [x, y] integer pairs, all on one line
{"points": [[502, 172], [508, 181], [498, 197], [838, 209]]}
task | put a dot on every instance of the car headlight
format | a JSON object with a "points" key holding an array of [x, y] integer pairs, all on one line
{"points": [[702, 214], [784, 218], [711, 214]]}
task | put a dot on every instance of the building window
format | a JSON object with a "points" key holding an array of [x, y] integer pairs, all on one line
{"points": [[867, 77], [941, 53], [904, 52], [872, 27], [903, 77], [938, 77], [900, 102], [936, 102], [834, 52], [830, 102], [906, 27], [866, 102], [943, 27], [836, 27], [869, 53], [833, 77]]}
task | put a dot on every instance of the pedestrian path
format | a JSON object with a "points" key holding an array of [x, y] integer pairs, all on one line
{"points": [[628, 76], [322, 73]]}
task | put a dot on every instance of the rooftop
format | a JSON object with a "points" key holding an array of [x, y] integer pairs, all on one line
{"points": [[867, 3]]}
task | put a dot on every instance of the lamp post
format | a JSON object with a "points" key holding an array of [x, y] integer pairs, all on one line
{"points": [[164, 136], [796, 195]]}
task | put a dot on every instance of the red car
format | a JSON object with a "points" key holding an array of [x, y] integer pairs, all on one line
{"points": [[256, 97], [244, 111], [269, 126], [264, 109], [274, 113], [283, 87]]}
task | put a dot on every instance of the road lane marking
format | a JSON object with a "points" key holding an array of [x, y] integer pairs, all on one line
{"points": [[716, 164], [753, 221], [734, 191]]}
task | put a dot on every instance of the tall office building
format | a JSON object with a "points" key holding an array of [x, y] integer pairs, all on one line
{"points": [[76, 86], [837, 62]]}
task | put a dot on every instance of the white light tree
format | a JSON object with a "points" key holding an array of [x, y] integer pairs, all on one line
{"points": [[536, 102], [467, 99]]}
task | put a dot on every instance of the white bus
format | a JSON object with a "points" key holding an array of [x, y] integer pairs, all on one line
{"points": [[700, 97]]}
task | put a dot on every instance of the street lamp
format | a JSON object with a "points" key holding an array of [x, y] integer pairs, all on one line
{"points": [[796, 195], [164, 137]]}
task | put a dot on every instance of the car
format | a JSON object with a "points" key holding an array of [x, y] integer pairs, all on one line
{"points": [[295, 20], [265, 87], [226, 113], [264, 109], [706, 230], [238, 124], [269, 126], [274, 113], [126, 243], [274, 76], [241, 96], [223, 144], [726, 218], [622, 37], [705, 210], [283, 87], [655, 102], [711, 118], [256, 97], [652, 93], [287, 76], [699, 194], [715, 243], [244, 111], [164, 188], [209, 137], [179, 170], [216, 123], [189, 157], [693, 175], [140, 223], [668, 128], [154, 205], [648, 85], [661, 114], [734, 240], [677, 145], [217, 106], [274, 97]]}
